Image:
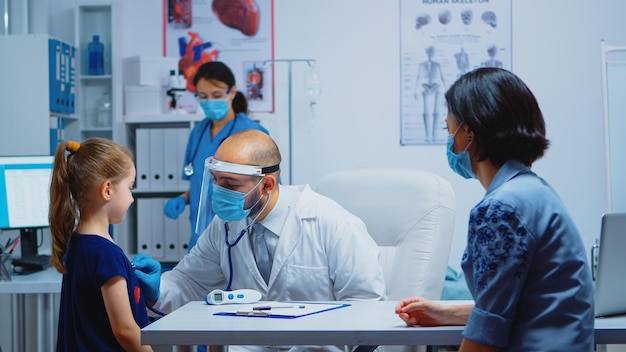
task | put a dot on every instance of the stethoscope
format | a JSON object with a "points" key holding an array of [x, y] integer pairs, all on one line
{"points": [[158, 312], [230, 245], [188, 169], [237, 239]]}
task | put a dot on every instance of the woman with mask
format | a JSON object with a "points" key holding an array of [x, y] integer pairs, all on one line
{"points": [[525, 262], [225, 111]]}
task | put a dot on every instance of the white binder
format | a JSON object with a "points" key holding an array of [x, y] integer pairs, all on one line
{"points": [[184, 232], [171, 168], [142, 155], [157, 144], [172, 238], [144, 226], [158, 231], [183, 136]]}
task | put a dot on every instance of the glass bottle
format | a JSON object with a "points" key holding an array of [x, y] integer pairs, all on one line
{"points": [[96, 56], [104, 111]]}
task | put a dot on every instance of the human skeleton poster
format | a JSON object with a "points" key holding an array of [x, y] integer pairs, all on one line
{"points": [[439, 41]]}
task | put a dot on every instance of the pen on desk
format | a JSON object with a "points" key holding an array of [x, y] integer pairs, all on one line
{"points": [[275, 307], [8, 244]]}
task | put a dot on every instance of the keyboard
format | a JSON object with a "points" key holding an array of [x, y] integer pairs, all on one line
{"points": [[33, 262]]}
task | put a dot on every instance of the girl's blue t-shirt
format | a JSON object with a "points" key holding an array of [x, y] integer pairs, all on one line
{"points": [[84, 325]]}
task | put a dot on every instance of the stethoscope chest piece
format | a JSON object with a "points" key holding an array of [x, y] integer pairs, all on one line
{"points": [[188, 169]]}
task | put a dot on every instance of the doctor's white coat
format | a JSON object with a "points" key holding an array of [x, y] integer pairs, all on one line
{"points": [[324, 254]]}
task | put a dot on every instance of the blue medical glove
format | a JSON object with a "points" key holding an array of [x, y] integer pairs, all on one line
{"points": [[148, 272], [174, 207]]}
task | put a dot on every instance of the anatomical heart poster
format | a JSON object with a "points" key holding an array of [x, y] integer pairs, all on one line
{"points": [[237, 32], [440, 40]]}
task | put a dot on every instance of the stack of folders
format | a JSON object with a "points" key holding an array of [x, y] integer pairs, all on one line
{"points": [[160, 237], [160, 155], [62, 87], [62, 76]]}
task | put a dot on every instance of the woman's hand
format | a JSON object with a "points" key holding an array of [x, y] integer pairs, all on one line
{"points": [[420, 311]]}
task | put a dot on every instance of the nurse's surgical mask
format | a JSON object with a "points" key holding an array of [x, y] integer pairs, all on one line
{"points": [[214, 109], [214, 104], [229, 205]]}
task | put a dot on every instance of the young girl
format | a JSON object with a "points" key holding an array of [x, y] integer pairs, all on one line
{"points": [[102, 306]]}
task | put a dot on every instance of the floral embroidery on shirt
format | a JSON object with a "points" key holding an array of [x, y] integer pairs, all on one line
{"points": [[496, 239]]}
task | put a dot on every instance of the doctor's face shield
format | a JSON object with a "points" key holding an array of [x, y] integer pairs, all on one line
{"points": [[229, 191]]}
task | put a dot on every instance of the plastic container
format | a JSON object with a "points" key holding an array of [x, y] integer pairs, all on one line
{"points": [[104, 111], [96, 56]]}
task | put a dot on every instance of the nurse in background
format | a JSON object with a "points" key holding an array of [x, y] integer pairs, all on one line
{"points": [[225, 110], [525, 263]]}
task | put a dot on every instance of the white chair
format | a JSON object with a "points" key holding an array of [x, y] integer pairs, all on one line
{"points": [[410, 214]]}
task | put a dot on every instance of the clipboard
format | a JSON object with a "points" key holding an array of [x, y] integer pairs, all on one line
{"points": [[282, 310]]}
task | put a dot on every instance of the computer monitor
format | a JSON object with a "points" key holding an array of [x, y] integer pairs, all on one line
{"points": [[25, 196]]}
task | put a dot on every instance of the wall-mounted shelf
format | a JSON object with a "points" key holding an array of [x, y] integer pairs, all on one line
{"points": [[95, 19], [163, 118], [96, 78], [97, 129]]}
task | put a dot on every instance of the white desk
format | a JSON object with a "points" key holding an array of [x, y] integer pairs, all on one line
{"points": [[44, 285], [611, 330], [363, 323]]}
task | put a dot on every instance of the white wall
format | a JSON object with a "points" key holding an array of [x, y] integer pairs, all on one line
{"points": [[556, 51]]}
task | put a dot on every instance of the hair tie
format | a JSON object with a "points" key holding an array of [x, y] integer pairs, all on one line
{"points": [[72, 146]]}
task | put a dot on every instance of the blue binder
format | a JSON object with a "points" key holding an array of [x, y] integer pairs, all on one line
{"points": [[72, 83], [57, 132], [65, 77], [54, 73]]}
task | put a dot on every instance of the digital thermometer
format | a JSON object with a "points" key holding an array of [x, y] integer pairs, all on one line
{"points": [[230, 297]]}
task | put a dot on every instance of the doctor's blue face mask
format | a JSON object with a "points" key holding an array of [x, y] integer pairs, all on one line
{"points": [[459, 163], [229, 205]]}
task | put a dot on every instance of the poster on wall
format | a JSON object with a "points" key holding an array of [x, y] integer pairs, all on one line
{"points": [[439, 41], [238, 33]]}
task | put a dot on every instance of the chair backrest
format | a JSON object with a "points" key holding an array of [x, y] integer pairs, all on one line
{"points": [[410, 214]]}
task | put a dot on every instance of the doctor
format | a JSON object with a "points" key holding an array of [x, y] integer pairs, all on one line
{"points": [[317, 249]]}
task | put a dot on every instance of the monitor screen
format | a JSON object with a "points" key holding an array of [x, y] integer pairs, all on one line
{"points": [[24, 191]]}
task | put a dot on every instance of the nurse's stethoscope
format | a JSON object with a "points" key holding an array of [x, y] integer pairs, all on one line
{"points": [[188, 169], [239, 236]]}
